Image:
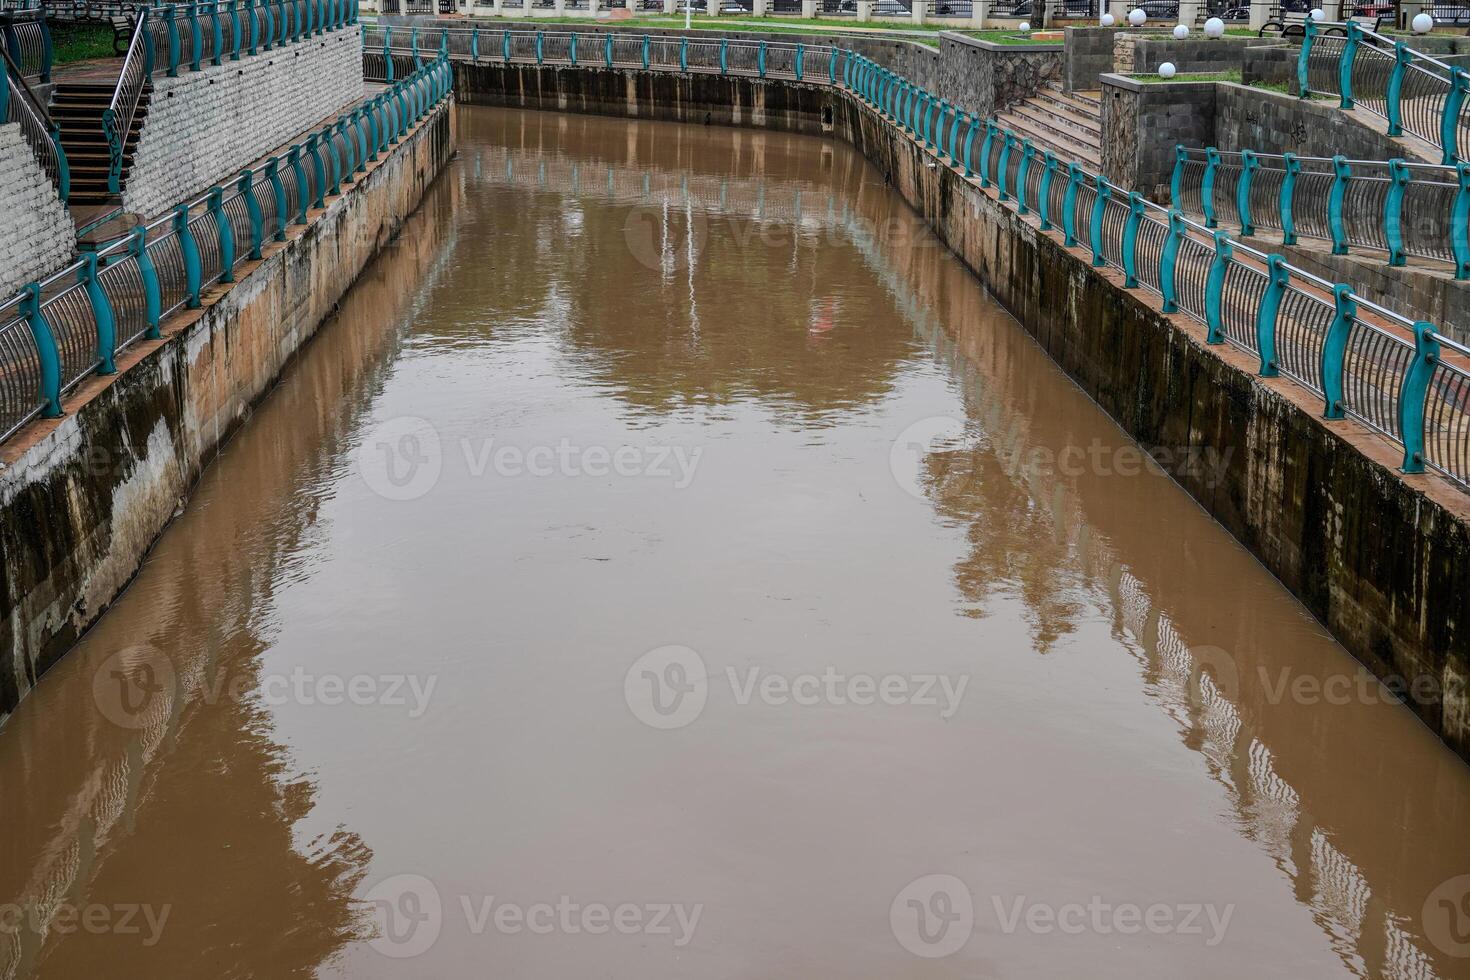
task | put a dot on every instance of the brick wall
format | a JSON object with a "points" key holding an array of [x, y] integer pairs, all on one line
{"points": [[39, 236], [204, 126]]}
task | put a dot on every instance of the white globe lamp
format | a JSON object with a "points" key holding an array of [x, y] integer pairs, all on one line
{"points": [[1318, 14], [1166, 70], [1214, 28], [1025, 25], [1108, 20], [1136, 16], [1422, 23], [1180, 32]]}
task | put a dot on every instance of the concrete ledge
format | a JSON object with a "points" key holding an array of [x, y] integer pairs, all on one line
{"points": [[83, 497], [1382, 559]]}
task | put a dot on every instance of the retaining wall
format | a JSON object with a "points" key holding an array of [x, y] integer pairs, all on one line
{"points": [[83, 497], [39, 236], [1382, 559], [201, 124]]}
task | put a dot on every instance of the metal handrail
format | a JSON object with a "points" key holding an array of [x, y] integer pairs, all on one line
{"points": [[28, 43], [70, 325], [1416, 93], [1396, 206], [117, 118], [41, 133]]}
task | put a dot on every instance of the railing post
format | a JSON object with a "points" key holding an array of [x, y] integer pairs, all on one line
{"points": [[607, 49], [1027, 152], [991, 126], [832, 55], [683, 54], [646, 45], [1309, 32], [1449, 121], [1168, 260], [374, 130], [1002, 164], [1345, 64], [101, 314], [152, 293], [174, 47], [541, 48], [235, 30], [278, 191], [969, 144], [1277, 277], [954, 137], [1393, 211], [475, 44], [1215, 290], [1043, 195], [1207, 186], [1176, 180], [724, 54], [4, 92], [1069, 205], [800, 57], [189, 249], [115, 138], [1334, 350], [266, 18], [1248, 164], [293, 158], [1335, 197], [63, 169], [1095, 232], [215, 204], [319, 170], [196, 38], [572, 50], [216, 35], [1393, 100], [47, 356], [761, 58], [1130, 240], [505, 44], [1291, 167], [1460, 225], [1413, 393], [47, 51]]}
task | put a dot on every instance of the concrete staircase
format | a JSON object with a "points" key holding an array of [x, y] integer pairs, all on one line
{"points": [[77, 106], [1067, 123]]}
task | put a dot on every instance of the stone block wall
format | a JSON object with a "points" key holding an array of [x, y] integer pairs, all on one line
{"points": [[1088, 54], [1141, 124], [1275, 122], [1274, 64], [204, 126], [1195, 53], [39, 235], [983, 77]]}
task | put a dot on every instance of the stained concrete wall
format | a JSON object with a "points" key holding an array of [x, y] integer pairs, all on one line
{"points": [[83, 497], [201, 125], [1382, 559], [39, 237]]}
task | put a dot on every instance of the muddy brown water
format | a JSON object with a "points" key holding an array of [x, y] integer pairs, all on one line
{"points": [[672, 564]]}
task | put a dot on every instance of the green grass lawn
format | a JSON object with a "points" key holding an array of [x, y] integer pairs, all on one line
{"points": [[80, 42]]}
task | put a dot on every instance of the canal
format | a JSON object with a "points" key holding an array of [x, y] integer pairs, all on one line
{"points": [[671, 563]]}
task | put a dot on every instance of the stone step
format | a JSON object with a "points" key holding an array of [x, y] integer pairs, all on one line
{"points": [[1066, 125], [1066, 149], [1069, 110]]}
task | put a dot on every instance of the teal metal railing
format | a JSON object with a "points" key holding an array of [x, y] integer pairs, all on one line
{"points": [[1396, 207], [1417, 94], [61, 330], [28, 43], [188, 37], [19, 105], [1399, 377]]}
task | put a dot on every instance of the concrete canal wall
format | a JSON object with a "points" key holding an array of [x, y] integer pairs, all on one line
{"points": [[1382, 559], [83, 497]]}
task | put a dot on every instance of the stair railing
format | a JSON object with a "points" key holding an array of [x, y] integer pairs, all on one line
{"points": [[117, 118], [19, 104], [28, 43]]}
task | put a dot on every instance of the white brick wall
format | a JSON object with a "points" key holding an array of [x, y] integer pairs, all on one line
{"points": [[38, 236], [204, 126]]}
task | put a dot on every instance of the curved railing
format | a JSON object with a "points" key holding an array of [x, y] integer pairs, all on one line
{"points": [[1397, 207], [1398, 377], [61, 330], [19, 105], [1417, 94], [28, 43]]}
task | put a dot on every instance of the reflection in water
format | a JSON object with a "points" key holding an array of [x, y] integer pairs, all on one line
{"points": [[764, 300]]}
